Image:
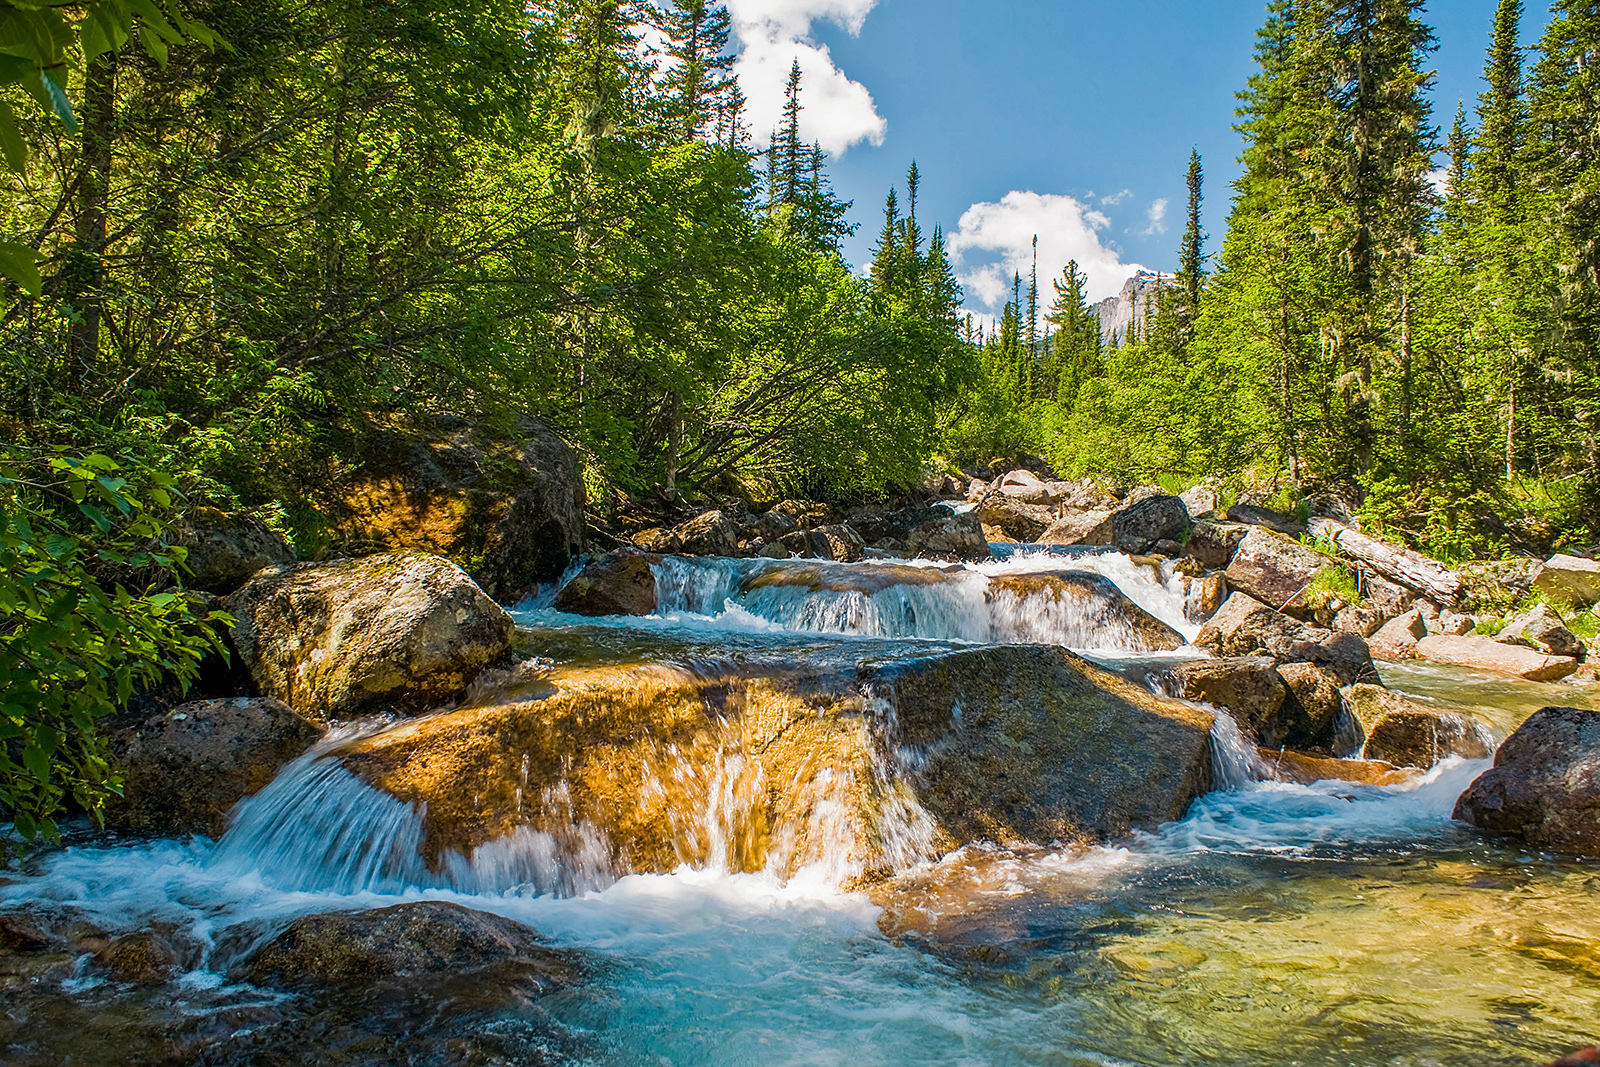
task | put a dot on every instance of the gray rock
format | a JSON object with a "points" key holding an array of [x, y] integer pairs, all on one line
{"points": [[1079, 528], [954, 537], [224, 550], [182, 770], [1136, 527], [1206, 597], [430, 937], [1274, 569], [1201, 501], [1249, 688], [1213, 544], [713, 533], [390, 632], [1025, 522], [1246, 627], [1363, 622], [511, 506], [1315, 702], [1544, 630], [1397, 639], [840, 543], [1545, 784], [618, 583], [1401, 731], [1573, 579]]}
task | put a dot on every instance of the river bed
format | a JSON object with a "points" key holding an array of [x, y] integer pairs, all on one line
{"points": [[1332, 924]]}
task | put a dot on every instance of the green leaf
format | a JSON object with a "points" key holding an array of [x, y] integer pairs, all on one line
{"points": [[155, 20], [105, 29], [21, 264], [162, 600], [12, 145], [58, 101], [37, 762]]}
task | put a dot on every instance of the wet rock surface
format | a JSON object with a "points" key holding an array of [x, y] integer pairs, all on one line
{"points": [[1107, 611], [1405, 733], [184, 769], [391, 632], [1545, 784], [618, 583], [1274, 569], [956, 537], [1016, 743], [429, 938]]}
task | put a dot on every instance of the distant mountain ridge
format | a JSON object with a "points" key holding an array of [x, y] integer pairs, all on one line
{"points": [[1128, 306]]}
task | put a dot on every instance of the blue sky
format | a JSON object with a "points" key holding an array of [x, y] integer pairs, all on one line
{"points": [[1069, 118]]}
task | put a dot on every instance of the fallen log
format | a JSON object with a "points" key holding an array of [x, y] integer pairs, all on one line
{"points": [[1411, 569]]}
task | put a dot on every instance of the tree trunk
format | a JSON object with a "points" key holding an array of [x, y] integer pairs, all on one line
{"points": [[89, 224], [674, 442]]}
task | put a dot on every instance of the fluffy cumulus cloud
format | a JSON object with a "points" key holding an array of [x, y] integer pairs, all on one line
{"points": [[995, 241], [772, 34]]}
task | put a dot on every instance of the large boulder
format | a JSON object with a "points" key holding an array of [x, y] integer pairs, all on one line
{"points": [[712, 533], [1083, 495], [1314, 700], [1486, 654], [428, 938], [1572, 579], [950, 536], [1079, 609], [870, 767], [1079, 528], [877, 525], [224, 550], [840, 543], [508, 505], [1401, 731], [1205, 597], [1250, 689], [1027, 487], [1247, 627], [1274, 569], [389, 632], [182, 770], [1542, 629], [1135, 528], [1545, 784], [1201, 500], [618, 583], [1024, 522]]}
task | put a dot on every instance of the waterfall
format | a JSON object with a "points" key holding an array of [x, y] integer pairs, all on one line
{"points": [[922, 600]]}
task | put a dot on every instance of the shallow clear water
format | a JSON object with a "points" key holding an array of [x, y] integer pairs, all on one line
{"points": [[1330, 925]]}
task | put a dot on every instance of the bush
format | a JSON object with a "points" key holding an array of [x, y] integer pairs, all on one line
{"points": [[75, 643]]}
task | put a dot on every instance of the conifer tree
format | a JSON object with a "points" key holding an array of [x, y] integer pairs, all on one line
{"points": [[1033, 303], [699, 77], [1191, 256], [886, 253], [790, 152]]}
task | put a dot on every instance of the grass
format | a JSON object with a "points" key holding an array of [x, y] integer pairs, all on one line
{"points": [[1336, 580]]}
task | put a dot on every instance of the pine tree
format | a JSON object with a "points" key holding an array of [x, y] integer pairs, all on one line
{"points": [[886, 253], [1191, 257], [1075, 356], [1033, 303], [699, 79], [790, 152]]}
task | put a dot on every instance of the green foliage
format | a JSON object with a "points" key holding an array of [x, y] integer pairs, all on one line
{"points": [[1335, 580], [75, 642]]}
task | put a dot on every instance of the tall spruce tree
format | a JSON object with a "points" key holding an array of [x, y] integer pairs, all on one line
{"points": [[700, 73], [1191, 255]]}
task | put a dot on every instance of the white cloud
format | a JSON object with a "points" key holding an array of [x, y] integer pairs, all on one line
{"points": [[772, 34], [1067, 230], [1158, 218], [1114, 199], [1440, 181]]}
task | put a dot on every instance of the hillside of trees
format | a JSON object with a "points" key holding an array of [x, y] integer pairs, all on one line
{"points": [[1425, 351], [243, 240]]}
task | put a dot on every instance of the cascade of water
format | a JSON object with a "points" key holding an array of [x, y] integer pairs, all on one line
{"points": [[923, 600], [1235, 762]]}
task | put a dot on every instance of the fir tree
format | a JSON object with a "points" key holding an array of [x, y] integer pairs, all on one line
{"points": [[1191, 257], [700, 76]]}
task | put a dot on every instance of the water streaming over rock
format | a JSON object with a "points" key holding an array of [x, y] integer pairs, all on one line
{"points": [[1326, 924]]}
